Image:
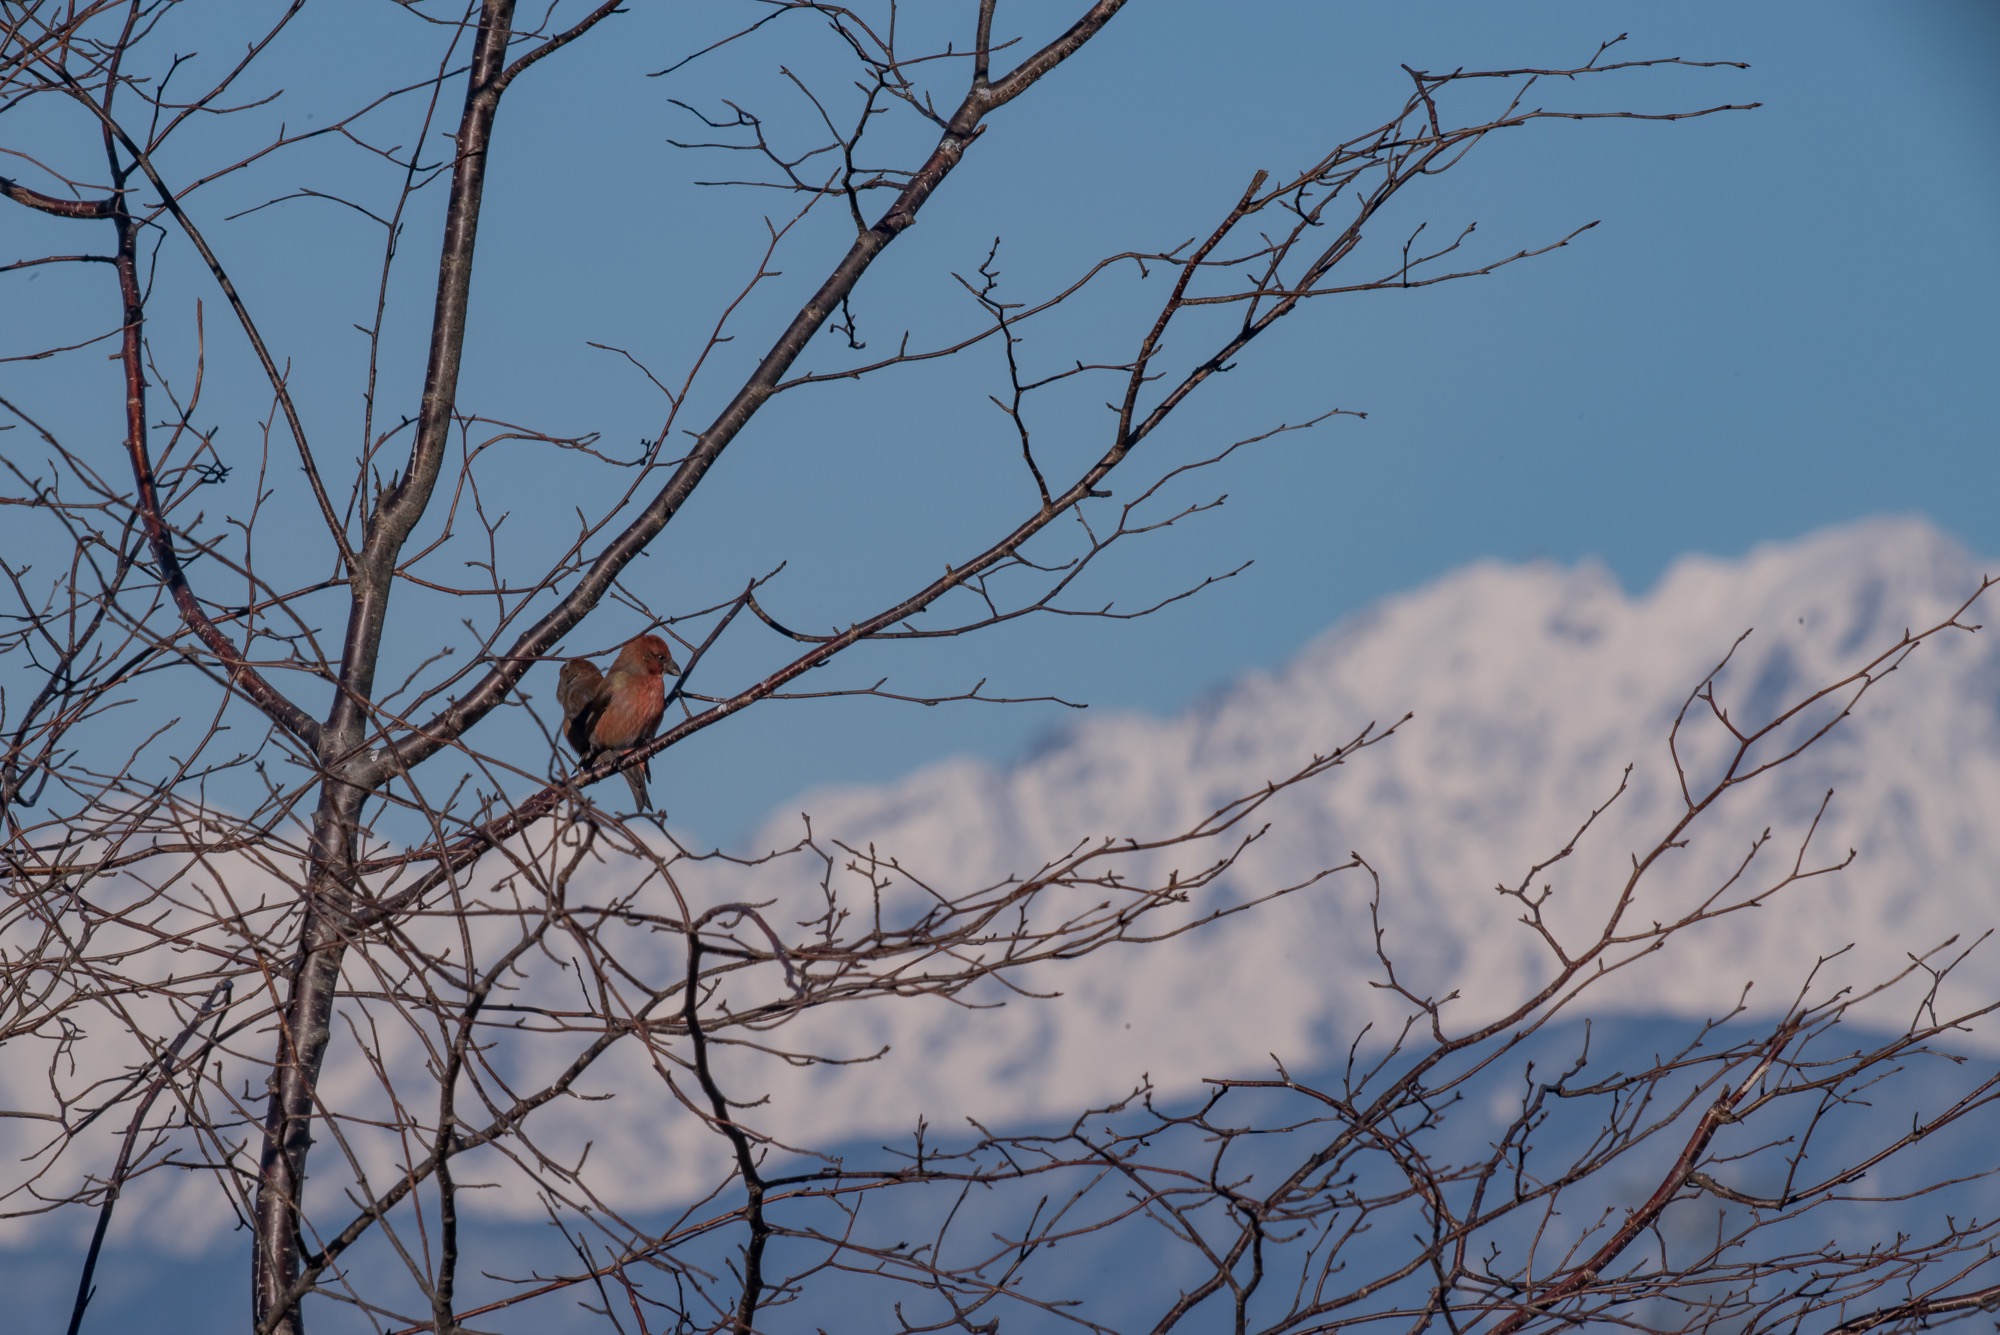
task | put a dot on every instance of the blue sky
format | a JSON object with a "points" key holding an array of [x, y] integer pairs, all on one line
{"points": [[1785, 320]]}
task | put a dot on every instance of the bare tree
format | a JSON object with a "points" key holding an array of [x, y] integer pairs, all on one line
{"points": [[302, 922]]}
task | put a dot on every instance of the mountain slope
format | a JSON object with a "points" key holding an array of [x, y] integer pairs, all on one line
{"points": [[1532, 687]]}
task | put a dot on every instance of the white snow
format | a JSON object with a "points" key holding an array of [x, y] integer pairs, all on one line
{"points": [[1532, 688]]}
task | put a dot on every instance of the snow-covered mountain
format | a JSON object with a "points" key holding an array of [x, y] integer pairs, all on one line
{"points": [[1532, 687]]}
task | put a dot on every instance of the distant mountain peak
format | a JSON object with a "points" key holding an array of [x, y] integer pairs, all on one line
{"points": [[1533, 686]]}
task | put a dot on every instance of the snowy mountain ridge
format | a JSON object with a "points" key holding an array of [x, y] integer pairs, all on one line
{"points": [[1532, 687]]}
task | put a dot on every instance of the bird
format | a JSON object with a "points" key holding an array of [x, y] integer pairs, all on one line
{"points": [[605, 713]]}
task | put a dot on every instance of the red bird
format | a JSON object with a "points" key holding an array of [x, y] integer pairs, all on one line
{"points": [[606, 713]]}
